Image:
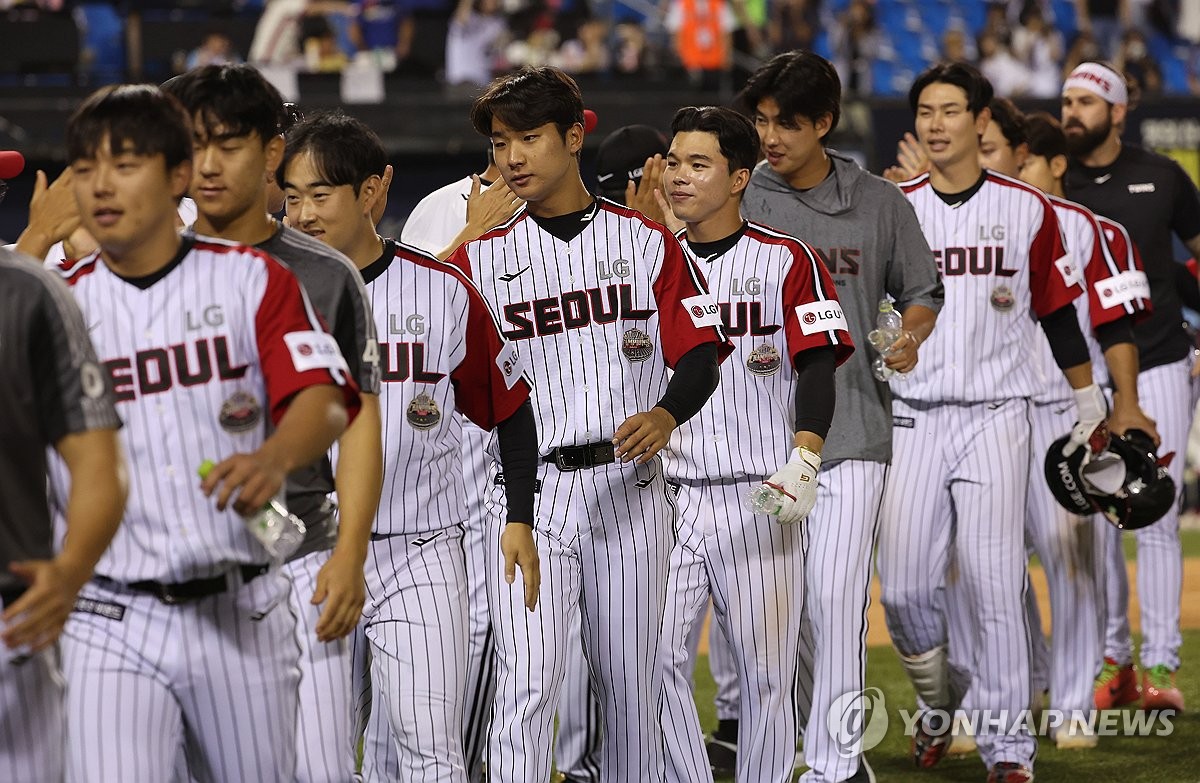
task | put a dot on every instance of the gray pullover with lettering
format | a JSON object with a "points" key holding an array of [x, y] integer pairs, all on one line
{"points": [[867, 233]]}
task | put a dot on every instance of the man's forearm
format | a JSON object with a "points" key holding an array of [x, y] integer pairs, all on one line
{"points": [[359, 478], [97, 501], [919, 321], [313, 421], [1122, 361]]}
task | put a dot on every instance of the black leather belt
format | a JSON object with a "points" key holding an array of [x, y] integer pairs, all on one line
{"points": [[568, 458], [193, 590]]}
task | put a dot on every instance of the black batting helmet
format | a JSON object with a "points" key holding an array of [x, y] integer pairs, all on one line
{"points": [[1148, 491], [1064, 473]]}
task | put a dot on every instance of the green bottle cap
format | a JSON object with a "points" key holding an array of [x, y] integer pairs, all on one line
{"points": [[205, 468]]}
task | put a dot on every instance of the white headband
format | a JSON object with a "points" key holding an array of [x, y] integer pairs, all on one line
{"points": [[1100, 80]]}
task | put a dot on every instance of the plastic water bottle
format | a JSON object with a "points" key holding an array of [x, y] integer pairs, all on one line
{"points": [[764, 499], [279, 531], [888, 328]]}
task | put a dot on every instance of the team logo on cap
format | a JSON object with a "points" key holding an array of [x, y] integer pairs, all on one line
{"points": [[636, 345], [423, 412], [763, 360], [1003, 299], [240, 413]]}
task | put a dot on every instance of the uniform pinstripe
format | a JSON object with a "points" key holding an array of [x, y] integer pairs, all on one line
{"points": [[957, 486], [214, 330], [442, 356], [579, 310], [779, 301]]}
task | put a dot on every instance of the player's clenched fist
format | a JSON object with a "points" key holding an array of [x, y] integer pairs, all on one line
{"points": [[516, 542], [643, 435], [797, 481]]}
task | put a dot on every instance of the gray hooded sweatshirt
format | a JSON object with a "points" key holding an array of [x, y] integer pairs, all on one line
{"points": [[867, 234]]}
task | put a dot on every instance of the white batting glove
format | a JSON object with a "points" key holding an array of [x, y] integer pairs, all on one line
{"points": [[1091, 409], [797, 481]]}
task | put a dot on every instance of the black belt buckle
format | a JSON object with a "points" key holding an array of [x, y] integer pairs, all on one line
{"points": [[569, 458]]}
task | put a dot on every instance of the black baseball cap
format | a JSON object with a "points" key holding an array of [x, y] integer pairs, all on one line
{"points": [[622, 155]]}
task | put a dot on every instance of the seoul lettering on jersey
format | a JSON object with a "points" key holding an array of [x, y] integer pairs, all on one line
{"points": [[572, 310], [156, 370]]}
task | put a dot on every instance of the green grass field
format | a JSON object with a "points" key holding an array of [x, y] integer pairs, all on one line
{"points": [[1153, 759]]}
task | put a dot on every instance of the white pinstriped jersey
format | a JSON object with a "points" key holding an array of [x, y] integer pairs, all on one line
{"points": [[441, 352], [1003, 266], [198, 360], [777, 300], [1116, 287], [598, 319]]}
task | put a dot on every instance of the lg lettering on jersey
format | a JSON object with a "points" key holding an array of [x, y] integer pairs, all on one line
{"points": [[572, 310], [155, 370], [412, 324], [742, 318], [986, 260], [404, 360]]}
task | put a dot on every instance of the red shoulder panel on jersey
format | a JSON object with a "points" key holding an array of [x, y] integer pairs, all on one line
{"points": [[503, 228], [915, 184]]}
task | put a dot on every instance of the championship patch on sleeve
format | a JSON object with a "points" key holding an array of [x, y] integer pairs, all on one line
{"points": [[1122, 288], [703, 310], [1070, 271], [314, 350], [511, 364], [821, 317]]}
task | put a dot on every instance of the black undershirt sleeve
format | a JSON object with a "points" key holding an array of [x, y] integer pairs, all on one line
{"points": [[1185, 283], [517, 436], [695, 379], [1066, 341], [1115, 332], [816, 394]]}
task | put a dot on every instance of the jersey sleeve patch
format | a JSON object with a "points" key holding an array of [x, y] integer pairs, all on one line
{"points": [[313, 350], [1125, 287], [511, 363], [1070, 271], [703, 310], [823, 316]]}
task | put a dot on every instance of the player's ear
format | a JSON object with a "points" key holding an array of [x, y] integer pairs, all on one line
{"points": [[1058, 166], [1021, 153], [574, 139], [274, 153], [368, 193], [981, 121], [180, 178], [741, 178], [1117, 112], [822, 125]]}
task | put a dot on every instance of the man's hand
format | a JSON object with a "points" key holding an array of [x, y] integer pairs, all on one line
{"points": [[673, 224], [488, 208], [53, 215], [257, 477], [1091, 411], [902, 355], [342, 588], [381, 202], [641, 195], [797, 482], [1132, 417], [37, 617], [911, 160], [516, 542], [643, 435]]}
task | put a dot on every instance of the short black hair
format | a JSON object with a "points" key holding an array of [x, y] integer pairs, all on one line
{"points": [[1044, 135], [235, 100], [801, 82], [1010, 119], [344, 150], [735, 134], [528, 99], [967, 77], [140, 117]]}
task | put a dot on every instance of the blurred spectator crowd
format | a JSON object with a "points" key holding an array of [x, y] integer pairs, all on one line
{"points": [[1024, 46]]}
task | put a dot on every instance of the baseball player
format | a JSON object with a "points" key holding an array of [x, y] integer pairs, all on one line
{"points": [[961, 428], [438, 225], [781, 312], [870, 241], [601, 302], [237, 116], [206, 345], [53, 395], [1154, 199], [443, 354], [1118, 293]]}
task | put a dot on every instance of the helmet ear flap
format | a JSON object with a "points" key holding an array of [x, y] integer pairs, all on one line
{"points": [[1148, 491]]}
